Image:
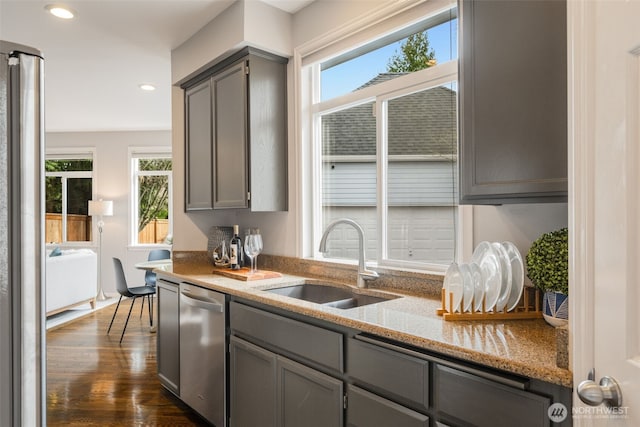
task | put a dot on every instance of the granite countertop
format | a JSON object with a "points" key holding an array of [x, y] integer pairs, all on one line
{"points": [[525, 347]]}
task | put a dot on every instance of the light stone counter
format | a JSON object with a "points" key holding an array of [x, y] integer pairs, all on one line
{"points": [[525, 347]]}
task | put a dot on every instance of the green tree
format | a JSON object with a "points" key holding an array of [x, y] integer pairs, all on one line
{"points": [[153, 192], [416, 54], [79, 190]]}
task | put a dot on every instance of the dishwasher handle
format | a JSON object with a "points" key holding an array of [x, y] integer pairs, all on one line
{"points": [[201, 302]]}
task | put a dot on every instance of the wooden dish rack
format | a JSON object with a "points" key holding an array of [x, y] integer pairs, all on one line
{"points": [[529, 307]]}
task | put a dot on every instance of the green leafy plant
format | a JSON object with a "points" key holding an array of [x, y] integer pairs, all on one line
{"points": [[548, 262]]}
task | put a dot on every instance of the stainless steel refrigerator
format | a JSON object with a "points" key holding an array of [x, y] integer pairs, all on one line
{"points": [[22, 338]]}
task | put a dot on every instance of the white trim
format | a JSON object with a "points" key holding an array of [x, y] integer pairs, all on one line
{"points": [[415, 82], [74, 153], [581, 150], [380, 22], [355, 158], [146, 152]]}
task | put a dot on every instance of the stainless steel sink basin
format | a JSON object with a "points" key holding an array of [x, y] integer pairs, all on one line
{"points": [[330, 296]]}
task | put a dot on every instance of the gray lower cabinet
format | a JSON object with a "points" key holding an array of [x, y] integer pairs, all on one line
{"points": [[168, 335], [267, 389], [252, 385], [236, 134], [307, 397], [287, 370], [468, 399], [366, 409], [513, 101], [394, 385]]}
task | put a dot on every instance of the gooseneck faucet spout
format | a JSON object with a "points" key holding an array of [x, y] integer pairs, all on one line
{"points": [[363, 274]]}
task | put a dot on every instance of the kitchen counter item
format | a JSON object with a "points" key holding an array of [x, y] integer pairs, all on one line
{"points": [[245, 273]]}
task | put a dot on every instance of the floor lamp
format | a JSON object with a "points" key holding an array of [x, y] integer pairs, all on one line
{"points": [[100, 208]]}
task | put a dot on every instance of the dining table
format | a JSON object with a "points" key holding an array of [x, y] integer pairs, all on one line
{"points": [[158, 264]]}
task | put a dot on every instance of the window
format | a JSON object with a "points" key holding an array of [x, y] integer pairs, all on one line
{"points": [[385, 145], [68, 189], [151, 198]]}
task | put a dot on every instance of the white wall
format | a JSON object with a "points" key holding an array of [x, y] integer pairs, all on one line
{"points": [[518, 223], [244, 23], [112, 182]]}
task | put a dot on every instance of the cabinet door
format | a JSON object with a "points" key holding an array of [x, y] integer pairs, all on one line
{"points": [[230, 175], [369, 410], [392, 374], [471, 400], [252, 385], [307, 397], [168, 336], [513, 101], [198, 151]]}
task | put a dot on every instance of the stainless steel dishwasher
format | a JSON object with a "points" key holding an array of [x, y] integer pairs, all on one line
{"points": [[202, 352]]}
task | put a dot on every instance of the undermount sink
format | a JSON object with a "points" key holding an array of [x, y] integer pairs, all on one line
{"points": [[330, 296]]}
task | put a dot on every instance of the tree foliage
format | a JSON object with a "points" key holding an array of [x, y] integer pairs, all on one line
{"points": [[79, 190], [415, 54], [153, 192]]}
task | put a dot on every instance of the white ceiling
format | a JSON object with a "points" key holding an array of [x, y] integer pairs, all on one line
{"points": [[94, 63]]}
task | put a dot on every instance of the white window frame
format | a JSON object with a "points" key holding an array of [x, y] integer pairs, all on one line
{"points": [[80, 153], [136, 153], [308, 129]]}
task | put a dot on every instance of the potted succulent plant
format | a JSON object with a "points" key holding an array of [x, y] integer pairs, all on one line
{"points": [[548, 269]]}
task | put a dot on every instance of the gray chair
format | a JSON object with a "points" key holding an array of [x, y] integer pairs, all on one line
{"points": [[150, 276], [154, 255], [125, 291]]}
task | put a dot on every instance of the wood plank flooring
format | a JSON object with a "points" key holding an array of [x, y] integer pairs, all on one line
{"points": [[92, 380]]}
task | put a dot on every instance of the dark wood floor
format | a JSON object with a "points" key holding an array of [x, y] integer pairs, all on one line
{"points": [[92, 380]]}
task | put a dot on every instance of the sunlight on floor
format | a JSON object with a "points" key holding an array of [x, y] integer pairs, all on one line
{"points": [[77, 312]]}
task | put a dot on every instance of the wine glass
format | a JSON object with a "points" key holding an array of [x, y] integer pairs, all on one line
{"points": [[257, 241], [252, 247], [248, 251]]}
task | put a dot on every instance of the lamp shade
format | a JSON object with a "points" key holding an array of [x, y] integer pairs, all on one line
{"points": [[100, 207]]}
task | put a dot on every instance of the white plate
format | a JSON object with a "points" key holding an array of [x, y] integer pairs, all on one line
{"points": [[505, 266], [478, 286], [467, 287], [517, 275], [487, 260], [453, 285]]}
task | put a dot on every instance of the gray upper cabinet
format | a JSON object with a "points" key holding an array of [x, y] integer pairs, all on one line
{"points": [[198, 179], [230, 135], [236, 134], [513, 101]]}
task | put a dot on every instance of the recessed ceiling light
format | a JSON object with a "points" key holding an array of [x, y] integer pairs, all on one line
{"points": [[60, 11], [147, 86]]}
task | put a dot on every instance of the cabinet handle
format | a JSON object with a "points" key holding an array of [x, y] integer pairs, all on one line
{"points": [[205, 303]]}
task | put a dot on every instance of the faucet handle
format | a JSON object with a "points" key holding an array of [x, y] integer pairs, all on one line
{"points": [[369, 275]]}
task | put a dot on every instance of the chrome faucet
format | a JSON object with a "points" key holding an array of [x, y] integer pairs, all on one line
{"points": [[363, 274]]}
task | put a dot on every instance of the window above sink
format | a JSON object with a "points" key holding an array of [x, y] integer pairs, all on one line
{"points": [[385, 148]]}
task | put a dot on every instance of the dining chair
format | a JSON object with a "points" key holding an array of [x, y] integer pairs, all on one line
{"points": [[150, 276], [154, 255], [125, 291]]}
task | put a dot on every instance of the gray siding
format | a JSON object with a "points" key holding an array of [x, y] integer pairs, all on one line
{"points": [[415, 183], [418, 234]]}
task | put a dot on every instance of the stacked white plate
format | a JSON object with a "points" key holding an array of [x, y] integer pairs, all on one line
{"points": [[494, 276]]}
